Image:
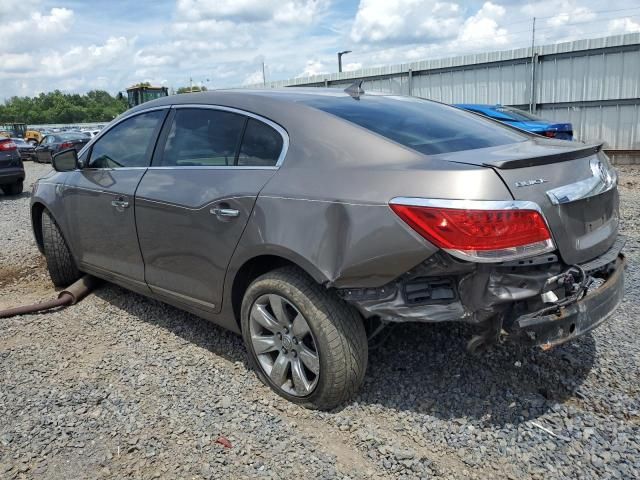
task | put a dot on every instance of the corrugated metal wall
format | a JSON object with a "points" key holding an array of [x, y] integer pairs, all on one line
{"points": [[594, 84]]}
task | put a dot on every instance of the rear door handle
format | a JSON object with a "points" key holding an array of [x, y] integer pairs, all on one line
{"points": [[225, 212]]}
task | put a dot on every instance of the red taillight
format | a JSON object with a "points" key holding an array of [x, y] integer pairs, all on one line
{"points": [[6, 145], [482, 234], [549, 133], [66, 145]]}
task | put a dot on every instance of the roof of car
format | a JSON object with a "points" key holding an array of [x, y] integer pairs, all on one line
{"points": [[275, 95]]}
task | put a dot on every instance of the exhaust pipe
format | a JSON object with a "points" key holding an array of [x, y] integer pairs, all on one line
{"points": [[69, 296]]}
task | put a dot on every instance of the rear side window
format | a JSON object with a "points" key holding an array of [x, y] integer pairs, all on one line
{"points": [[428, 127], [203, 138], [129, 143], [261, 145]]}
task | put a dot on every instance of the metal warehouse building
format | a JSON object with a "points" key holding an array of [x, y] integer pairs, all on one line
{"points": [[594, 84]]}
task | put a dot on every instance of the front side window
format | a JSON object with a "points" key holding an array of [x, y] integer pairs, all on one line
{"points": [[128, 144], [261, 145], [203, 138]]}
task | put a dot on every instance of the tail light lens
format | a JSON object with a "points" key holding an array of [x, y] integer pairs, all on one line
{"points": [[480, 231], [7, 145], [65, 145], [549, 133]]}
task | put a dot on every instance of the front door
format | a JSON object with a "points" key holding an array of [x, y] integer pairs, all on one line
{"points": [[193, 203], [99, 198]]}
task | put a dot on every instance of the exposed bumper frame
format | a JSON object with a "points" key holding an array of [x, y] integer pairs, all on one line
{"points": [[573, 320]]}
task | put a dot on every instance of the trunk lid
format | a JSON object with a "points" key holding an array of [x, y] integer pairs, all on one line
{"points": [[570, 184]]}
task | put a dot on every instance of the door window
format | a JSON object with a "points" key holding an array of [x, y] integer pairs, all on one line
{"points": [[203, 138], [128, 144], [261, 145]]}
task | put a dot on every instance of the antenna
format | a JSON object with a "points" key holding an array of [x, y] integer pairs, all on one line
{"points": [[355, 89]]}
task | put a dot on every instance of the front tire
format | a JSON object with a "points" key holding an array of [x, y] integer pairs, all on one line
{"points": [[62, 268], [306, 344]]}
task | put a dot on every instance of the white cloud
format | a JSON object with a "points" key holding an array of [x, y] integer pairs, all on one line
{"points": [[16, 62], [624, 25], [405, 20], [31, 30], [350, 67], [577, 14], [313, 67], [254, 78], [482, 28], [249, 11]]}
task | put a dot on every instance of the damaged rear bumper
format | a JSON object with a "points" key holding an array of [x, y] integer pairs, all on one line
{"points": [[574, 319], [533, 301]]}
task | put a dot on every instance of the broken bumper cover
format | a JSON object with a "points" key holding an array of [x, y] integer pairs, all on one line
{"points": [[575, 319]]}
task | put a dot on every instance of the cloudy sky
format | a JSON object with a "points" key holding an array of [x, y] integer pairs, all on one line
{"points": [[79, 45]]}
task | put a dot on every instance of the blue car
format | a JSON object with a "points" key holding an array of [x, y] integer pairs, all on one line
{"points": [[521, 119]]}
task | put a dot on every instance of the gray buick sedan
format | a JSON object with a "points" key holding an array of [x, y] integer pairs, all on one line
{"points": [[309, 220]]}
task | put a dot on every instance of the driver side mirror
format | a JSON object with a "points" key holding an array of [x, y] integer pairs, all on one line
{"points": [[66, 161]]}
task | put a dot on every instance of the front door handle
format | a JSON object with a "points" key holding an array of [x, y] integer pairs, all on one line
{"points": [[120, 204], [225, 212]]}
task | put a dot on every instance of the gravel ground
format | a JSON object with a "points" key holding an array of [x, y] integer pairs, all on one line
{"points": [[123, 386]]}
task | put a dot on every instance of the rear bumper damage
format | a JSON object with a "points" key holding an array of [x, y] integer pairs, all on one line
{"points": [[537, 301], [549, 329]]}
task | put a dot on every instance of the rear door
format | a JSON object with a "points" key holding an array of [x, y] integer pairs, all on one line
{"points": [[194, 201], [99, 198], [43, 151]]}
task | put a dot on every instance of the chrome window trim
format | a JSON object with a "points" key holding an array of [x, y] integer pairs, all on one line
{"points": [[603, 179], [211, 167], [486, 256], [283, 133]]}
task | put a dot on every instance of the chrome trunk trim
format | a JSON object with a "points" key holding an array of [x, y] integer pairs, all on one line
{"points": [[603, 179]]}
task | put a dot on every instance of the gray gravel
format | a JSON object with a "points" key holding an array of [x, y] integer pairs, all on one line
{"points": [[122, 386]]}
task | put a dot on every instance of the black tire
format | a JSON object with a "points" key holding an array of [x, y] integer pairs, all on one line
{"points": [[338, 329], [13, 189], [62, 268]]}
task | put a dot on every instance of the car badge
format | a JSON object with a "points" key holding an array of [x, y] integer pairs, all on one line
{"points": [[528, 183]]}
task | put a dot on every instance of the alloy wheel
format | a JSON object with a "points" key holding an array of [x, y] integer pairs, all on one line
{"points": [[284, 345]]}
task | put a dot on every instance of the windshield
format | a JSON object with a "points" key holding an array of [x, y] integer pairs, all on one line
{"points": [[519, 115], [425, 126]]}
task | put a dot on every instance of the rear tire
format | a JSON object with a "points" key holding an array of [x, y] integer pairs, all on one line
{"points": [[14, 188], [62, 268], [334, 333]]}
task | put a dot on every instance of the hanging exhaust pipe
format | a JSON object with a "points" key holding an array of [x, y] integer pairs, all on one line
{"points": [[69, 296]]}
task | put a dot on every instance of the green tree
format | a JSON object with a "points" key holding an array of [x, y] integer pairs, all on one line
{"points": [[194, 89], [58, 107]]}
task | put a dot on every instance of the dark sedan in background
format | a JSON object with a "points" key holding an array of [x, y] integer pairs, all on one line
{"points": [[57, 142], [521, 119], [26, 150], [11, 168]]}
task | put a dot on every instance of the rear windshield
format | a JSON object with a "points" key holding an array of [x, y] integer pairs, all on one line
{"points": [[72, 136], [425, 126]]}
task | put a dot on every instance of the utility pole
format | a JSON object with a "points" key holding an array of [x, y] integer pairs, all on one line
{"points": [[264, 78], [532, 95], [190, 84], [340, 54]]}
